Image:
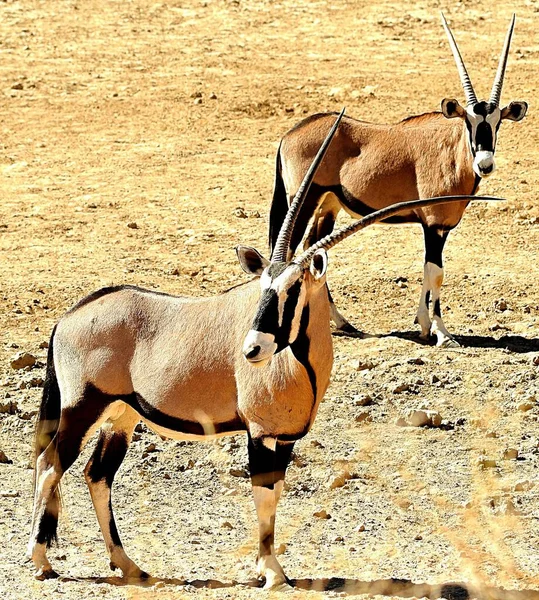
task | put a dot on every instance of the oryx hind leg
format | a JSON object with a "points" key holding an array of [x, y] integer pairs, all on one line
{"points": [[323, 224], [77, 423], [268, 460], [109, 453], [433, 276]]}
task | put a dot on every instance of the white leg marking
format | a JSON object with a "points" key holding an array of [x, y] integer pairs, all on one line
{"points": [[423, 317], [436, 278], [268, 566]]}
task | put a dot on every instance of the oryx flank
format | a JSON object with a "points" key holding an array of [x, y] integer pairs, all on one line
{"points": [[256, 359], [370, 166]]}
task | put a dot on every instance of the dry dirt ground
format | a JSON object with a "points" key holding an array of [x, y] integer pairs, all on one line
{"points": [[168, 115]]}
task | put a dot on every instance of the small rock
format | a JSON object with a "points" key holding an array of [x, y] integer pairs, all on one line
{"points": [[510, 454], [363, 400], [239, 473], [151, 448], [339, 480], [322, 514], [226, 525], [339, 538], [366, 365], [132, 225], [240, 213], [213, 96], [17, 86], [418, 537], [434, 379], [536, 360], [360, 528], [526, 406], [524, 486], [317, 444], [491, 434], [486, 463], [280, 550], [401, 387], [4, 459], [10, 407], [363, 417], [197, 101], [43, 345], [423, 418], [22, 360], [197, 94], [416, 361], [500, 305], [401, 422], [9, 493]]}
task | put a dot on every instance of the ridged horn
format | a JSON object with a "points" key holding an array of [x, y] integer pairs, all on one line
{"points": [[496, 93], [338, 236], [280, 252], [471, 98]]}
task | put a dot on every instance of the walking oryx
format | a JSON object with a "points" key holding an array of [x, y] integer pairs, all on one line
{"points": [[370, 166], [188, 368]]}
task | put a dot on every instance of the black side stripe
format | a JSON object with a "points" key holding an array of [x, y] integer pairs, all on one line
{"points": [[300, 348]]}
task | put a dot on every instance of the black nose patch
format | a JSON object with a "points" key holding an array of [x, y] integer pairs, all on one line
{"points": [[253, 353]]}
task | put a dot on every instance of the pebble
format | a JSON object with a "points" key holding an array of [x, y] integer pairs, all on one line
{"points": [[226, 525], [322, 514], [10, 407], [239, 473], [22, 360], [536, 360], [523, 486], [17, 86], [339, 480], [132, 225], [401, 387], [526, 406], [281, 549], [486, 463], [422, 418], [213, 96], [240, 213], [510, 454], [363, 400], [366, 365], [9, 493], [364, 417], [4, 459], [361, 528]]}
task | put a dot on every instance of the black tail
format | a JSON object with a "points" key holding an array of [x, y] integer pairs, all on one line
{"points": [[279, 204], [47, 425], [49, 411]]}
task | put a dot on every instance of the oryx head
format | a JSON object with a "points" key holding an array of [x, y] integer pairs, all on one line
{"points": [[285, 286], [482, 118]]}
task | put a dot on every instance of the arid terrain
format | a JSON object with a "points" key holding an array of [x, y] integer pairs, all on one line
{"points": [[138, 146]]}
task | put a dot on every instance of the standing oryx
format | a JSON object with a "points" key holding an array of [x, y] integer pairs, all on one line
{"points": [[255, 359], [370, 166]]}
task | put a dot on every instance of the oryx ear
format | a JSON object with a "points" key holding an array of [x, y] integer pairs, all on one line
{"points": [[319, 264], [515, 111], [451, 108], [251, 261]]}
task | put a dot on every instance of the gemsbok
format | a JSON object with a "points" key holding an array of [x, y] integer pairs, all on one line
{"points": [[256, 359], [370, 166]]}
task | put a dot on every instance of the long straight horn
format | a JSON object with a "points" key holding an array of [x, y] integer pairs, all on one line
{"points": [[282, 244], [471, 98], [338, 236], [496, 93]]}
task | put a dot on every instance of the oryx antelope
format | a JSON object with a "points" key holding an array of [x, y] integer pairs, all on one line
{"points": [[370, 166], [256, 359]]}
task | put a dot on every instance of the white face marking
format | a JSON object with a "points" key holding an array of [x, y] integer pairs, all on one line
{"points": [[483, 163], [266, 343]]}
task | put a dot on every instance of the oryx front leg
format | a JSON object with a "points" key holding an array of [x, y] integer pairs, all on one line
{"points": [[268, 460], [100, 471], [433, 277]]}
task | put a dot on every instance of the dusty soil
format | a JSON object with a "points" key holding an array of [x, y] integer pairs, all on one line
{"points": [[168, 115]]}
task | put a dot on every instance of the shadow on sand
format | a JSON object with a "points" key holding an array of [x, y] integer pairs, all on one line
{"points": [[399, 588], [513, 343]]}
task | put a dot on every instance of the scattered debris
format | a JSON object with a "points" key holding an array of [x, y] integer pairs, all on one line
{"points": [[22, 360], [322, 514]]}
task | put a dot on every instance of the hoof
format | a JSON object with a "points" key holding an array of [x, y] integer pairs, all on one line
{"points": [[137, 576], [448, 343], [44, 574], [279, 587]]}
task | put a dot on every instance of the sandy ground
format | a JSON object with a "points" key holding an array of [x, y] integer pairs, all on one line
{"points": [[168, 115]]}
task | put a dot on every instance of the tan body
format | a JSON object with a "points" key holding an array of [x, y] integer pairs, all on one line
{"points": [[138, 341], [381, 165], [369, 167]]}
